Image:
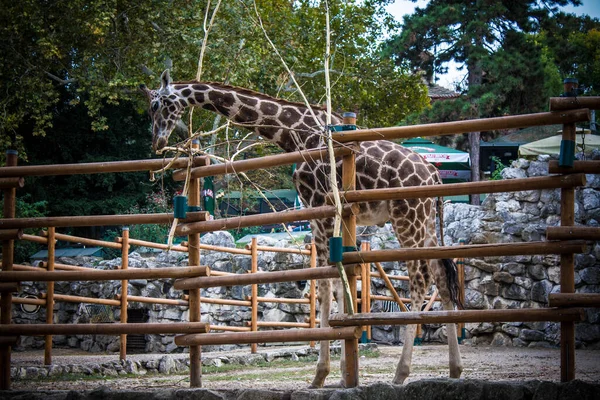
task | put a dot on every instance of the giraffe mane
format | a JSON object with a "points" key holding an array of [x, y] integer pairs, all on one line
{"points": [[254, 93]]}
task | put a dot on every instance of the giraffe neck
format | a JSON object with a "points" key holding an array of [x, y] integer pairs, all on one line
{"points": [[289, 125]]}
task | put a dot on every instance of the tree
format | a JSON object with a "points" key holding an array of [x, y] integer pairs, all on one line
{"points": [[473, 34], [70, 72]]}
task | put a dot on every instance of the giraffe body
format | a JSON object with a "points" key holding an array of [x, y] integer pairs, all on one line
{"points": [[380, 164]]}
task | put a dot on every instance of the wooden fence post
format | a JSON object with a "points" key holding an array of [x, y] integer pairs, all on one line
{"points": [[50, 295], [567, 271], [8, 247], [124, 290], [313, 291], [254, 293], [194, 302], [349, 241]]}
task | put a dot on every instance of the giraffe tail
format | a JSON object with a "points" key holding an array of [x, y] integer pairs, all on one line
{"points": [[452, 282]]}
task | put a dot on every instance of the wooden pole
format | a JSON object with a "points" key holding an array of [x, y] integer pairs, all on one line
{"points": [[367, 304], [84, 241], [262, 277], [254, 295], [49, 297], [81, 299], [104, 329], [573, 103], [290, 335], [262, 219], [452, 189], [259, 163], [349, 241], [97, 220], [572, 233], [11, 234], [124, 290], [313, 291], [455, 316], [100, 167], [9, 183], [8, 248], [586, 167], [194, 293], [467, 251], [567, 274], [105, 275], [451, 128], [574, 300]]}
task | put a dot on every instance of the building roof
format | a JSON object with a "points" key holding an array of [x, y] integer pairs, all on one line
{"points": [[437, 92], [70, 252]]}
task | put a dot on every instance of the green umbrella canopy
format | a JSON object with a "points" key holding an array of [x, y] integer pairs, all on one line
{"points": [[454, 165]]}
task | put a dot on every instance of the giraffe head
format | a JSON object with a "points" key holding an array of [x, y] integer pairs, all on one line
{"points": [[165, 110]]}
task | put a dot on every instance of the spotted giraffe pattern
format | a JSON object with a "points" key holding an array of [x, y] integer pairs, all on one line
{"points": [[381, 164]]}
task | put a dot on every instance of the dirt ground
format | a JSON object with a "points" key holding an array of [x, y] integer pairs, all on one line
{"points": [[429, 361]]}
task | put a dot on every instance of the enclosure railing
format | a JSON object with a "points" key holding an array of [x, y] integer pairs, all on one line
{"points": [[350, 326]]}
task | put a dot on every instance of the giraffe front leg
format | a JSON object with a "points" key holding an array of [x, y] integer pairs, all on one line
{"points": [[338, 291], [323, 364], [455, 363], [403, 367]]}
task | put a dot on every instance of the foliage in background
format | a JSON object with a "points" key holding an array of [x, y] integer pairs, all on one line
{"points": [[26, 208]]}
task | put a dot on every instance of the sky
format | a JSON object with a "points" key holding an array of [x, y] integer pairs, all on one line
{"points": [[402, 7]]}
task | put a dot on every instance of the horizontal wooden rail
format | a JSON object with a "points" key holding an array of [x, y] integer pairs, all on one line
{"points": [[574, 299], [35, 238], [467, 251], [29, 300], [262, 219], [229, 328], [280, 300], [161, 246], [586, 167], [97, 220], [210, 247], [154, 300], [280, 324], [467, 316], [454, 189], [289, 250], [572, 103], [260, 163], [65, 267], [85, 300], [100, 167], [11, 234], [8, 340], [84, 241], [104, 329], [9, 183], [572, 233], [226, 302], [10, 287], [291, 335], [452, 128], [263, 277], [391, 277], [104, 275]]}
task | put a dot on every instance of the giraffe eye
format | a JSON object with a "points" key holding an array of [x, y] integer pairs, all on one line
{"points": [[155, 106]]}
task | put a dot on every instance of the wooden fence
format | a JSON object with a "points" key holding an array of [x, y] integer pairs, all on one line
{"points": [[346, 327]]}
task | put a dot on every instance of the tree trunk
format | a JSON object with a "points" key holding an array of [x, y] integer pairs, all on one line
{"points": [[474, 138]]}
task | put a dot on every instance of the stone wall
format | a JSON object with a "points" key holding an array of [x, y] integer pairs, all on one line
{"points": [[501, 282]]}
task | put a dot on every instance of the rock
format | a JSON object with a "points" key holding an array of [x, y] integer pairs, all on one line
{"points": [[515, 292], [590, 275], [540, 291], [503, 277], [501, 339], [167, 365], [531, 335]]}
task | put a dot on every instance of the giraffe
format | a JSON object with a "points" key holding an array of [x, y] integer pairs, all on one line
{"points": [[379, 164]]}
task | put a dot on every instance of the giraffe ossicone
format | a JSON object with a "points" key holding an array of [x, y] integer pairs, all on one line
{"points": [[379, 164]]}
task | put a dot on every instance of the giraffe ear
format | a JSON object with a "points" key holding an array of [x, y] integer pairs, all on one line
{"points": [[165, 81]]}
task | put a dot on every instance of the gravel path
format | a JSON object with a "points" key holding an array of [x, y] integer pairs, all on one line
{"points": [[429, 361]]}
